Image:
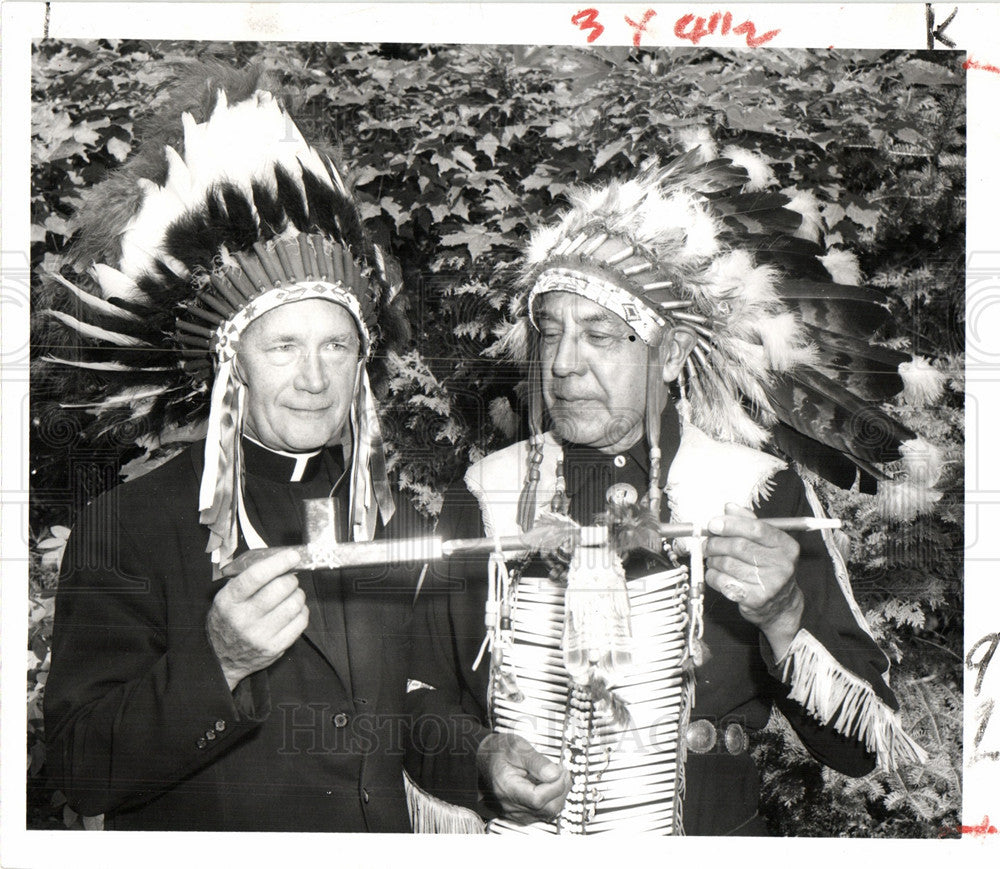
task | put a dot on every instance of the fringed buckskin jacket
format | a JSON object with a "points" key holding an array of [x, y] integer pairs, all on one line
{"points": [[831, 685]]}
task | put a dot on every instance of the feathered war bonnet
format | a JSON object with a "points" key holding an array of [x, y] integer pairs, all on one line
{"points": [[225, 213], [783, 352]]}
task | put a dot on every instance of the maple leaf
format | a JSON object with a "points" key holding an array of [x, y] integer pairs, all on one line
{"points": [[118, 149], [488, 144], [478, 241], [608, 151], [465, 159], [394, 210]]}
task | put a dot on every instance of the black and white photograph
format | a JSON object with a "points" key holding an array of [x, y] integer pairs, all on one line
{"points": [[547, 431]]}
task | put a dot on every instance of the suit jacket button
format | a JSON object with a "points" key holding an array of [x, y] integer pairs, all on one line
{"points": [[340, 719], [220, 725], [201, 742], [209, 735], [364, 794]]}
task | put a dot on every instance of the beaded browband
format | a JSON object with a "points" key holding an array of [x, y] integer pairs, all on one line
{"points": [[269, 265]]}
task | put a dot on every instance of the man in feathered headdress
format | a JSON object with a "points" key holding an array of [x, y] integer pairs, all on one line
{"points": [[225, 269], [612, 659]]}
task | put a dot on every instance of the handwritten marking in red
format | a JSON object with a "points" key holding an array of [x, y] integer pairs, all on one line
{"points": [[703, 28], [983, 829], [975, 64], [588, 18], [641, 27]]}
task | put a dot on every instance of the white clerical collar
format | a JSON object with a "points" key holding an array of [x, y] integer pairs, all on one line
{"points": [[301, 459]]}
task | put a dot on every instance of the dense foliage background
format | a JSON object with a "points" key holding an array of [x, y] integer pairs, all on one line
{"points": [[456, 153]]}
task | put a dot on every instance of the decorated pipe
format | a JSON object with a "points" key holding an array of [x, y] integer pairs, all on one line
{"points": [[324, 553]]}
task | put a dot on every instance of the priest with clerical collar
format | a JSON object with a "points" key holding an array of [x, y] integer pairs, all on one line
{"points": [[226, 273]]}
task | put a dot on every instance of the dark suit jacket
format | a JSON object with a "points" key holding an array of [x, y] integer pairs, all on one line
{"points": [[141, 725]]}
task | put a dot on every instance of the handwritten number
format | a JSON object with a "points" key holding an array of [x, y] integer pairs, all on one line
{"points": [[750, 30], [984, 711], [588, 18], [695, 29], [993, 640]]}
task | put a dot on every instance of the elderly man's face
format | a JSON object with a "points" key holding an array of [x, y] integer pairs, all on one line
{"points": [[300, 364], [593, 372]]}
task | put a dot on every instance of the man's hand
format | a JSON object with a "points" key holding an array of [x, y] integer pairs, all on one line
{"points": [[527, 785], [753, 564], [256, 616]]}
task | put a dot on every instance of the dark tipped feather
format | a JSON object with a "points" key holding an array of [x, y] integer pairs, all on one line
{"points": [[332, 213], [689, 171], [195, 238], [872, 356], [837, 308], [794, 256], [269, 212], [241, 229], [108, 207], [762, 213], [290, 197], [827, 462], [818, 407], [868, 370]]}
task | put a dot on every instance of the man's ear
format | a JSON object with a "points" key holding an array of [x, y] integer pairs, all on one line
{"points": [[677, 345]]}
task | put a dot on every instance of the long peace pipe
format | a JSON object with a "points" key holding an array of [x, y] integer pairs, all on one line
{"points": [[321, 555]]}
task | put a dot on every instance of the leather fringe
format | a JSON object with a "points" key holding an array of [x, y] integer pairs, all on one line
{"points": [[428, 814], [835, 696]]}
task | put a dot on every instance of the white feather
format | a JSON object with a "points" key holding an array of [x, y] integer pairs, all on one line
{"points": [[239, 144], [783, 342], [115, 285], [734, 274], [502, 415], [541, 243], [102, 366], [512, 340], [700, 138], [96, 332], [922, 462], [912, 491], [759, 284], [904, 500], [663, 216], [806, 204], [703, 235], [760, 174], [842, 266], [140, 395], [94, 302], [922, 382]]}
